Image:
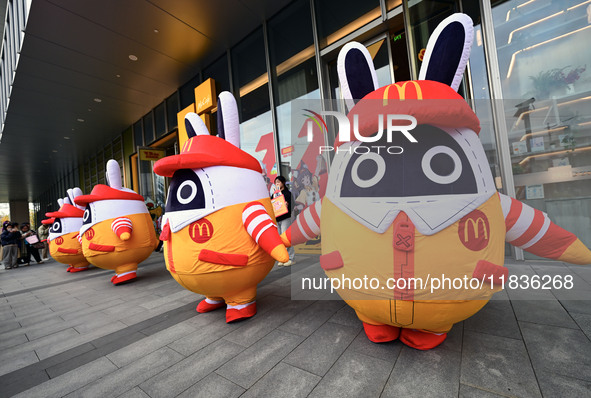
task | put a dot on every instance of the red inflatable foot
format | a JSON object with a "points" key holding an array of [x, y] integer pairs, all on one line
{"points": [[113, 277], [119, 280], [421, 340], [381, 333], [80, 269], [204, 306], [233, 314], [69, 269]]}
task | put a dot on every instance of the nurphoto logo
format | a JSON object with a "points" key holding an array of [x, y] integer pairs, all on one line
{"points": [[387, 124]]}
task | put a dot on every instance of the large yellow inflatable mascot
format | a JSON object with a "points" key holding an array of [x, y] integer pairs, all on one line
{"points": [[219, 231], [419, 205], [64, 233], [117, 231]]}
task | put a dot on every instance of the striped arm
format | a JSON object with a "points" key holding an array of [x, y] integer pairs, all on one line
{"points": [[263, 230], [122, 227], [305, 227], [531, 230]]}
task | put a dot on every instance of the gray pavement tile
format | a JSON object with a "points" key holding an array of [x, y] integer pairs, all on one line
{"points": [[71, 381], [190, 370], [204, 335], [498, 364], [346, 316], [439, 371], [467, 391], [283, 381], [179, 315], [85, 353], [7, 326], [553, 385], [582, 271], [135, 392], [354, 375], [21, 382], [455, 338], [384, 351], [579, 306], [495, 313], [10, 341], [250, 365], [158, 301], [45, 328], [252, 330], [121, 380], [41, 343], [33, 320], [319, 351], [306, 322], [543, 312], [213, 386], [149, 344], [18, 360], [584, 322], [63, 345], [560, 350]]}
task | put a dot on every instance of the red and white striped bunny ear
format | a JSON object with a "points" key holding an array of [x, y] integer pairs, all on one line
{"points": [[122, 227], [113, 174]]}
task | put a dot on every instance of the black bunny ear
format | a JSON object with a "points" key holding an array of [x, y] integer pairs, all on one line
{"points": [[227, 117], [448, 51], [357, 74]]}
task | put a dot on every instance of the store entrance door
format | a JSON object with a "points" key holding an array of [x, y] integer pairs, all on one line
{"points": [[152, 186]]}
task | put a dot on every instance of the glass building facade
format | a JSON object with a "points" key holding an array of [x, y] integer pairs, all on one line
{"points": [[528, 79]]}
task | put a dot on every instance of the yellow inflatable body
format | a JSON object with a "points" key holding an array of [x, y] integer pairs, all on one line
{"points": [[413, 228], [219, 231], [64, 243], [117, 231]]}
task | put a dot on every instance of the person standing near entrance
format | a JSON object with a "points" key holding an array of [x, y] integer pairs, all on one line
{"points": [[10, 238], [284, 221], [43, 233]]}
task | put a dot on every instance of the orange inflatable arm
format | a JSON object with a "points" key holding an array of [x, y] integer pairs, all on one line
{"points": [[263, 230], [531, 230], [305, 227]]}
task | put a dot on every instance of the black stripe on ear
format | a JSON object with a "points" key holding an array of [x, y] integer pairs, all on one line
{"points": [[358, 74], [190, 132], [446, 54], [220, 119]]}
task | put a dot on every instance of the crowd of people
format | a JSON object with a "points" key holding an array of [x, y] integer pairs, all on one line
{"points": [[20, 243]]}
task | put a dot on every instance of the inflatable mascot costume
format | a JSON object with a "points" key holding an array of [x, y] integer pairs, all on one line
{"points": [[64, 238], [117, 231], [219, 231], [430, 211]]}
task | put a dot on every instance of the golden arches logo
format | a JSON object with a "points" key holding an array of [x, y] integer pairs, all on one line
{"points": [[475, 224], [401, 89], [474, 230], [201, 231]]}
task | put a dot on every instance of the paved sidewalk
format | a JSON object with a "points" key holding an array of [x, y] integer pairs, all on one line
{"points": [[76, 335]]}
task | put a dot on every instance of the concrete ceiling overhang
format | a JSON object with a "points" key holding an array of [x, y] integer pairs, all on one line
{"points": [[74, 51]]}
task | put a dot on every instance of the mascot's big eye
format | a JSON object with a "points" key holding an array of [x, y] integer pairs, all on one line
{"points": [[185, 191], [442, 165], [87, 217], [56, 227], [368, 170]]}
